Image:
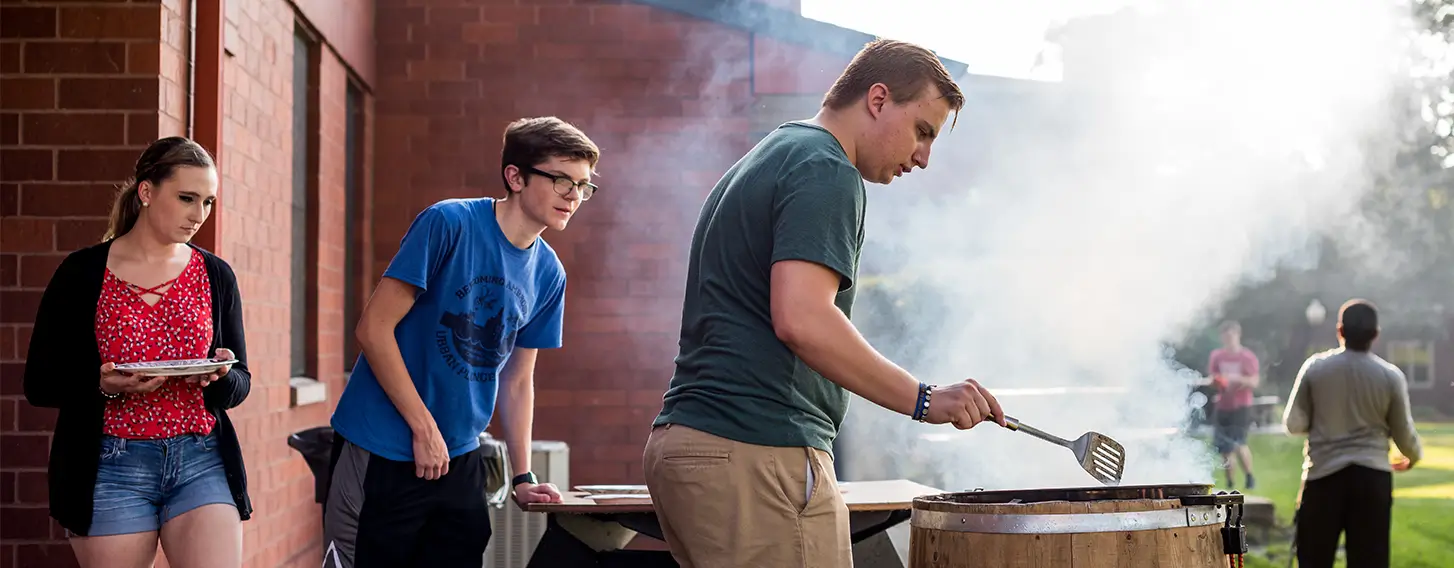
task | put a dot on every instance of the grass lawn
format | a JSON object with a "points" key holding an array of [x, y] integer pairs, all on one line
{"points": [[1423, 506]]}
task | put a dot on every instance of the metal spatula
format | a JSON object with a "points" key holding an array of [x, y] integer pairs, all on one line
{"points": [[1099, 455]]}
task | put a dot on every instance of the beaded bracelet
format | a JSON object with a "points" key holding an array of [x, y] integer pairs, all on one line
{"points": [[107, 394], [921, 407]]}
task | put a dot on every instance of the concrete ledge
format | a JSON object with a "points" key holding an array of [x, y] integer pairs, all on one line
{"points": [[304, 391]]}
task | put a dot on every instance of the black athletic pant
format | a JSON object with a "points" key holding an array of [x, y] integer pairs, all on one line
{"points": [[379, 514], [1355, 500]]}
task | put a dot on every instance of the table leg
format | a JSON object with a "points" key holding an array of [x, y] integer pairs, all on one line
{"points": [[876, 551], [559, 548]]}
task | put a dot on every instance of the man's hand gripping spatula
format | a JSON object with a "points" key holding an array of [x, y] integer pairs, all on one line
{"points": [[1098, 454]]}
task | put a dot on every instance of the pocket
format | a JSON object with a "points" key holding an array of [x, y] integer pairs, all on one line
{"points": [[798, 478], [207, 443], [696, 456], [687, 447]]}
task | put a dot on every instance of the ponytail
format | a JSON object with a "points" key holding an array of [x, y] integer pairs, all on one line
{"points": [[124, 211]]}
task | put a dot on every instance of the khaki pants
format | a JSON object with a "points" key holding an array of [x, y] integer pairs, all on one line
{"points": [[726, 504]]}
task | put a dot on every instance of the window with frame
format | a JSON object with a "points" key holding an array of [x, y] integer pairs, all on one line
{"points": [[353, 223], [1415, 358], [301, 296]]}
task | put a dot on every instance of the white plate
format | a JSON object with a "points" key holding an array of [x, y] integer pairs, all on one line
{"points": [[613, 489], [619, 499], [175, 368]]}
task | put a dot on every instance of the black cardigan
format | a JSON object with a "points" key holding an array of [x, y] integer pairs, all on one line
{"points": [[62, 370]]}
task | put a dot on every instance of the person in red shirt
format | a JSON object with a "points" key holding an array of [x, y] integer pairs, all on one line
{"points": [[140, 460], [1234, 370]]}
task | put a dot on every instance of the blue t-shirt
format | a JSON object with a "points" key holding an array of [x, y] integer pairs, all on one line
{"points": [[480, 297]]}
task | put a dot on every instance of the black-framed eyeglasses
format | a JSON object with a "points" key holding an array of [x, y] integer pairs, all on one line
{"points": [[564, 184]]}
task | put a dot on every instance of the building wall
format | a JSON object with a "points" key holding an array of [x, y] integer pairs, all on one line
{"points": [[86, 88]]}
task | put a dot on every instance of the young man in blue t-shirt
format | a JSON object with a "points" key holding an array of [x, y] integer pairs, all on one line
{"points": [[456, 320]]}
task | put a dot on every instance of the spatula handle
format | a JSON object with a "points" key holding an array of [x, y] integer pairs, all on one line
{"points": [[1014, 424]]}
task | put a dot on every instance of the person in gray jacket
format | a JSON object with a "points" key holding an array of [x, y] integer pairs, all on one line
{"points": [[1349, 402]]}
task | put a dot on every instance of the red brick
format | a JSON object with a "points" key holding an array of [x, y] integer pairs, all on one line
{"points": [[7, 333], [7, 483], [9, 129], [9, 199], [11, 374], [9, 417], [71, 129], [109, 93], [36, 269], [27, 22], [9, 58], [33, 419], [453, 90], [600, 398], [31, 487], [141, 129], [75, 57], [646, 398], [62, 200], [111, 22], [72, 234], [25, 523], [55, 555], [143, 58], [92, 165], [22, 337], [453, 14], [23, 450], [27, 235], [19, 307], [428, 70], [26, 93]]}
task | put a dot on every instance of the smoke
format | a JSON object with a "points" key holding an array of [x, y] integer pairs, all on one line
{"points": [[1067, 232]]}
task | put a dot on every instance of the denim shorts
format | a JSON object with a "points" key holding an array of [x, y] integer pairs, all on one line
{"points": [[142, 484]]}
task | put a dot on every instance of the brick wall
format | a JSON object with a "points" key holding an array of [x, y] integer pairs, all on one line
{"points": [[85, 88], [258, 171], [665, 96]]}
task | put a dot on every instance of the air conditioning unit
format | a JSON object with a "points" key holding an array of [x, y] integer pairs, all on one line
{"points": [[514, 533]]}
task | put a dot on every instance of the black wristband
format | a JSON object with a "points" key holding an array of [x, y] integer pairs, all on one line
{"points": [[921, 406], [527, 477]]}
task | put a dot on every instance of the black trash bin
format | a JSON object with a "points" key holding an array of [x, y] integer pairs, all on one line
{"points": [[316, 445]]}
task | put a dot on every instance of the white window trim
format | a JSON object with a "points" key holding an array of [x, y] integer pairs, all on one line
{"points": [[303, 391], [1433, 353]]}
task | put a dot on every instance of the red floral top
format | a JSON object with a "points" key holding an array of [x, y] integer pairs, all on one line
{"points": [[178, 326]]}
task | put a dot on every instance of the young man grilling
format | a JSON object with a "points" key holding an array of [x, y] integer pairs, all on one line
{"points": [[739, 460], [1349, 402], [456, 320]]}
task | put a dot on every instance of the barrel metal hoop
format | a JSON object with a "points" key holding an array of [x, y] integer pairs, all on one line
{"points": [[1069, 523]]}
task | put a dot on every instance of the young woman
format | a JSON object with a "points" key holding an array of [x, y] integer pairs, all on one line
{"points": [[135, 459]]}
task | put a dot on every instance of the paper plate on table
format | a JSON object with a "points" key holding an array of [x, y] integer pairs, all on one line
{"points": [[609, 499], [613, 489], [175, 368]]}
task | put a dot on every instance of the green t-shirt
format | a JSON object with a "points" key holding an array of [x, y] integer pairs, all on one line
{"points": [[795, 196]]}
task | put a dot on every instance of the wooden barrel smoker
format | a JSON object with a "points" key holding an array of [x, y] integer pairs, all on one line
{"points": [[1165, 526]]}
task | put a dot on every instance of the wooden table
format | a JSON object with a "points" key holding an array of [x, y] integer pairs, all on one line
{"points": [[582, 532]]}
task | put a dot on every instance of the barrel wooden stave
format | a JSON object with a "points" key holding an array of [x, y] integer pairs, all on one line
{"points": [[1179, 547]]}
